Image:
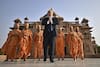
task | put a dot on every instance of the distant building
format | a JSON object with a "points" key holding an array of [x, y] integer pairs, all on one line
{"points": [[89, 45]]}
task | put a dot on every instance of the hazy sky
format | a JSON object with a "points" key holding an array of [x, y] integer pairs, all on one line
{"points": [[34, 9]]}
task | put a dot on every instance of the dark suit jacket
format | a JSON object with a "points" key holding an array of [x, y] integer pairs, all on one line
{"points": [[47, 26]]}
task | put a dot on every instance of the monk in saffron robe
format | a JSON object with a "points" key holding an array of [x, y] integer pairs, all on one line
{"points": [[60, 45], [10, 46], [26, 41], [80, 45], [72, 40], [38, 43]]}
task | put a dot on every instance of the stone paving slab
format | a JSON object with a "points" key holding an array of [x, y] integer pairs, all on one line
{"points": [[2, 57], [68, 62]]}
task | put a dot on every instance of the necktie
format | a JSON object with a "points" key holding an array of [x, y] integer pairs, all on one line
{"points": [[50, 18]]}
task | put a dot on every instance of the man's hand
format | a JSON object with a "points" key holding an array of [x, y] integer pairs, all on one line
{"points": [[50, 20]]}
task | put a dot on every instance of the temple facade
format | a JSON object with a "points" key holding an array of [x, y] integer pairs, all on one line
{"points": [[89, 45]]}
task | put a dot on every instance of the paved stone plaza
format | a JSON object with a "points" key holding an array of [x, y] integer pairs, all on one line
{"points": [[68, 62]]}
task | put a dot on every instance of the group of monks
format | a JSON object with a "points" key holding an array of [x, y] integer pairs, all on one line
{"points": [[20, 43], [74, 40]]}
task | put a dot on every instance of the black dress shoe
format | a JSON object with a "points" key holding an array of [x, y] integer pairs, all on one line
{"points": [[44, 60], [52, 61]]}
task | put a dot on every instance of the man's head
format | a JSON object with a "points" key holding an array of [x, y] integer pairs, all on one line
{"points": [[50, 12], [17, 23], [38, 27], [26, 23], [17, 20], [16, 26], [60, 29], [26, 20]]}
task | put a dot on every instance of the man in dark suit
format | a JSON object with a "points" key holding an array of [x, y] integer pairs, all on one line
{"points": [[49, 34]]}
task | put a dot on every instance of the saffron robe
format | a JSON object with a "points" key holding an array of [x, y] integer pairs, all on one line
{"points": [[38, 44], [10, 46], [60, 45], [25, 44]]}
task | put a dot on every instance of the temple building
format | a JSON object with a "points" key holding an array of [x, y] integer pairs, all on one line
{"points": [[89, 41]]}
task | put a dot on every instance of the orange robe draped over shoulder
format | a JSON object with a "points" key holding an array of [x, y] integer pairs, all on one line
{"points": [[60, 45], [72, 41], [38, 45], [10, 46], [25, 44], [80, 46]]}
